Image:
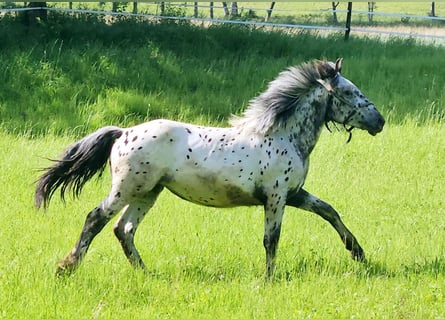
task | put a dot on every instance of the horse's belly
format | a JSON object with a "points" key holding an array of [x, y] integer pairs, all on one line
{"points": [[208, 191]]}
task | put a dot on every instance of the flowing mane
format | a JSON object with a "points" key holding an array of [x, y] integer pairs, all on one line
{"points": [[274, 106]]}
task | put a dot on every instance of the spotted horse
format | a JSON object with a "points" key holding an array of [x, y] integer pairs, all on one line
{"points": [[261, 159]]}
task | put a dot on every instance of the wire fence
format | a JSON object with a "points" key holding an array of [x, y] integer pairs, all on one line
{"points": [[314, 20]]}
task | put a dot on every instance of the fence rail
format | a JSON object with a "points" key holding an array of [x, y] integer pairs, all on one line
{"points": [[348, 27]]}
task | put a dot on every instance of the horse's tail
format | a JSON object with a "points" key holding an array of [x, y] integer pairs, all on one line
{"points": [[81, 161]]}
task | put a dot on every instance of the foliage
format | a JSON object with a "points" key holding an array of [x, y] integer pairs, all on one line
{"points": [[173, 11]]}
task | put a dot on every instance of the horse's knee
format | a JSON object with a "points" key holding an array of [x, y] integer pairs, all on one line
{"points": [[117, 231]]}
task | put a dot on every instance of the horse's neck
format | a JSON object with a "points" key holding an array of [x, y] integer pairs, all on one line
{"points": [[305, 126]]}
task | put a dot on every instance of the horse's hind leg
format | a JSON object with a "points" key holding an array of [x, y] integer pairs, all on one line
{"points": [[305, 200], [125, 227], [94, 223]]}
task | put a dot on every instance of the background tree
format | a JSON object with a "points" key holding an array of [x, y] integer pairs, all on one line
{"points": [[371, 7], [334, 12], [226, 9], [235, 9]]}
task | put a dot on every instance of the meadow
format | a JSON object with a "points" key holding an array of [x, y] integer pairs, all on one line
{"points": [[69, 77]]}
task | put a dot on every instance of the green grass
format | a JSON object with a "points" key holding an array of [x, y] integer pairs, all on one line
{"points": [[78, 75], [209, 263], [68, 77]]}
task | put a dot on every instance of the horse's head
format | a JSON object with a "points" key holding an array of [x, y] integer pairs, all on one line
{"points": [[349, 106]]}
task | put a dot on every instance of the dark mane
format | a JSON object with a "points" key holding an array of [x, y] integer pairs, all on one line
{"points": [[275, 105]]}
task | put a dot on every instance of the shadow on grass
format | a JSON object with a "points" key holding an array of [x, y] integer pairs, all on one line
{"points": [[303, 268], [366, 270], [83, 72], [322, 266], [434, 267]]}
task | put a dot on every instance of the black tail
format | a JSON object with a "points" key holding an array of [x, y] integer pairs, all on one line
{"points": [[81, 161]]}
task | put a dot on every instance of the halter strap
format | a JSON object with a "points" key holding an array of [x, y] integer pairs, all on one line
{"points": [[328, 119]]}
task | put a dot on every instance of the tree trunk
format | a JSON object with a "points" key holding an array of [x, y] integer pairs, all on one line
{"points": [[370, 9], [269, 11], [211, 10], [234, 9], [226, 9], [135, 7], [334, 12], [162, 8]]}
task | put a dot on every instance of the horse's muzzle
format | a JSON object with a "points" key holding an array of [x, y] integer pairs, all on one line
{"points": [[377, 125]]}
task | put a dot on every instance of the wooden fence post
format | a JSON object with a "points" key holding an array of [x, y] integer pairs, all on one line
{"points": [[348, 21], [433, 9], [195, 9]]}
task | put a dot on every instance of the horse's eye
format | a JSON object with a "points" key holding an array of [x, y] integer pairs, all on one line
{"points": [[348, 93]]}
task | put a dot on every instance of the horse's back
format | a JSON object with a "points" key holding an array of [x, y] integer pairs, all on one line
{"points": [[192, 161], [220, 167]]}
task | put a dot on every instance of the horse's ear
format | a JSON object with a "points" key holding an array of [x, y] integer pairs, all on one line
{"points": [[327, 73], [338, 64]]}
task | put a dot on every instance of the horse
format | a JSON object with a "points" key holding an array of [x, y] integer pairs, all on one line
{"points": [[262, 159]]}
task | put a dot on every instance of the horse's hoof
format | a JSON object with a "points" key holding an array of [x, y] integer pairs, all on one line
{"points": [[358, 254], [60, 272], [64, 270], [66, 266]]}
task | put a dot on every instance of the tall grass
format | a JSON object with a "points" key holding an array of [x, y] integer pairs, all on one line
{"points": [[80, 74]]}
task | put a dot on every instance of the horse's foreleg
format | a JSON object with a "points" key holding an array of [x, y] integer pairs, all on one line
{"points": [[305, 200], [274, 211], [125, 227], [94, 223]]}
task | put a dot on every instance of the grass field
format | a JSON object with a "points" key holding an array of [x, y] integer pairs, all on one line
{"points": [[209, 263], [78, 75], [68, 78]]}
